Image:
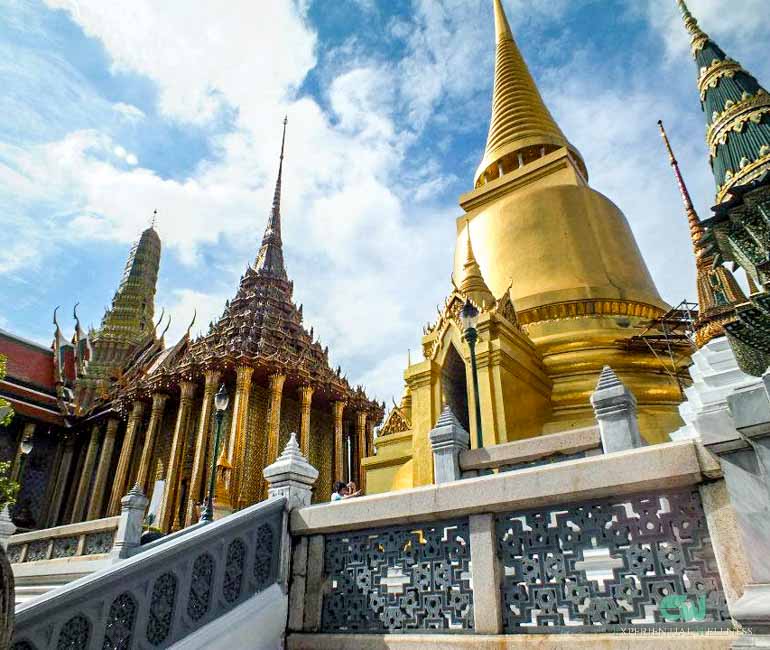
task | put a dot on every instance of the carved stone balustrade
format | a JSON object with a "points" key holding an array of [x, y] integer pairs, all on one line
{"points": [[589, 546], [182, 589]]}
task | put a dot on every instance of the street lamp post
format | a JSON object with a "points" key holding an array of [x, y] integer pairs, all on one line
{"points": [[469, 317], [26, 450], [221, 401]]}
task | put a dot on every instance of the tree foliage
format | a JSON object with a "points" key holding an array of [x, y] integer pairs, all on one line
{"points": [[8, 488]]}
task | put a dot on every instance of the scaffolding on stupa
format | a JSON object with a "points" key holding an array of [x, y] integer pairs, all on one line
{"points": [[671, 339]]}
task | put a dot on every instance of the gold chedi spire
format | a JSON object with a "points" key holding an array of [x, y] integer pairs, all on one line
{"points": [[473, 285], [522, 128]]}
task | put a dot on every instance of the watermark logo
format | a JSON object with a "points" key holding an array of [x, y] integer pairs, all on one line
{"points": [[676, 608]]}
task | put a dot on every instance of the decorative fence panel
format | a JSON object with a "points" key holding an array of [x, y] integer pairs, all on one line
{"points": [[161, 595], [73, 540], [407, 579], [610, 565]]}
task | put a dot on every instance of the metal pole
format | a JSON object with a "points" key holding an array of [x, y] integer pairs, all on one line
{"points": [[208, 509], [471, 335]]}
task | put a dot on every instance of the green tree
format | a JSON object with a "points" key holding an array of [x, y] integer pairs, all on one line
{"points": [[8, 488], [6, 412]]}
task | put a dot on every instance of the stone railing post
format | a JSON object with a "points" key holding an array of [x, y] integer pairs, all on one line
{"points": [[615, 409], [7, 527], [448, 438], [129, 532], [291, 476], [746, 468], [486, 575]]}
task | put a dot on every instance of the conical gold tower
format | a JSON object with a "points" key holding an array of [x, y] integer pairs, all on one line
{"points": [[522, 128], [577, 279]]}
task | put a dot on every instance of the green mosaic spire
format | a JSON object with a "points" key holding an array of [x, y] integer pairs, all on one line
{"points": [[130, 319], [737, 110]]}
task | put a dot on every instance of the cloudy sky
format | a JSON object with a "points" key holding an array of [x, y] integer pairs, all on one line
{"points": [[113, 109]]}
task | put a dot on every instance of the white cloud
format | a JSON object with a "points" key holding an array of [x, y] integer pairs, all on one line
{"points": [[369, 258], [129, 112]]}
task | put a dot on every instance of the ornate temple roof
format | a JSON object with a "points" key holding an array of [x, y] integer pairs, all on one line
{"points": [[737, 112], [260, 327], [521, 123]]}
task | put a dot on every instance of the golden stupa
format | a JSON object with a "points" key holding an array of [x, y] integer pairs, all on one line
{"points": [[561, 285]]}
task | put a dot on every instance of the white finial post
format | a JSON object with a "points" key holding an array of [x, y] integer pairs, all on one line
{"points": [[615, 409], [448, 438], [292, 476], [7, 527], [129, 534]]}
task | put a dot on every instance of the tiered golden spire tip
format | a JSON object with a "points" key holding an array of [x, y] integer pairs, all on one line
{"points": [[522, 129], [473, 285]]}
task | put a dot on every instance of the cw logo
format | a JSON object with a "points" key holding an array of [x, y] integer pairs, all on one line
{"points": [[676, 608]]}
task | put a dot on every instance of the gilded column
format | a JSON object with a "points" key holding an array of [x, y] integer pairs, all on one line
{"points": [[274, 417], [103, 470], [339, 441], [26, 434], [212, 378], [168, 506], [156, 415], [237, 447], [78, 510], [360, 447], [119, 485], [61, 482], [306, 398]]}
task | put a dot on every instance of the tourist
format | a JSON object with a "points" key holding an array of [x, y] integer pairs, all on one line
{"points": [[353, 491], [340, 491]]}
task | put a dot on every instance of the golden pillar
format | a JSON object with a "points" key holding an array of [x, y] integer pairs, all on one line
{"points": [[236, 448], [61, 481], [120, 484], [168, 506], [102, 471], [306, 398], [78, 510], [339, 441], [274, 417], [156, 415], [26, 434], [361, 446], [369, 437], [212, 378]]}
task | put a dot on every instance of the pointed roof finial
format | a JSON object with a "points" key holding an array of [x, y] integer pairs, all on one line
{"points": [[502, 28], [473, 284], [690, 23], [521, 123], [696, 229], [154, 219], [270, 256]]}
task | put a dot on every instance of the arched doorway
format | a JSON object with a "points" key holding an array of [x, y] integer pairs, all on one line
{"points": [[454, 384]]}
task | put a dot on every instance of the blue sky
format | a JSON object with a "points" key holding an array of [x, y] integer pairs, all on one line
{"points": [[112, 110]]}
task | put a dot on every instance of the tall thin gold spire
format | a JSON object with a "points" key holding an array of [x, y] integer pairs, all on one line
{"points": [[473, 285], [693, 220], [502, 28], [521, 129], [716, 286]]}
